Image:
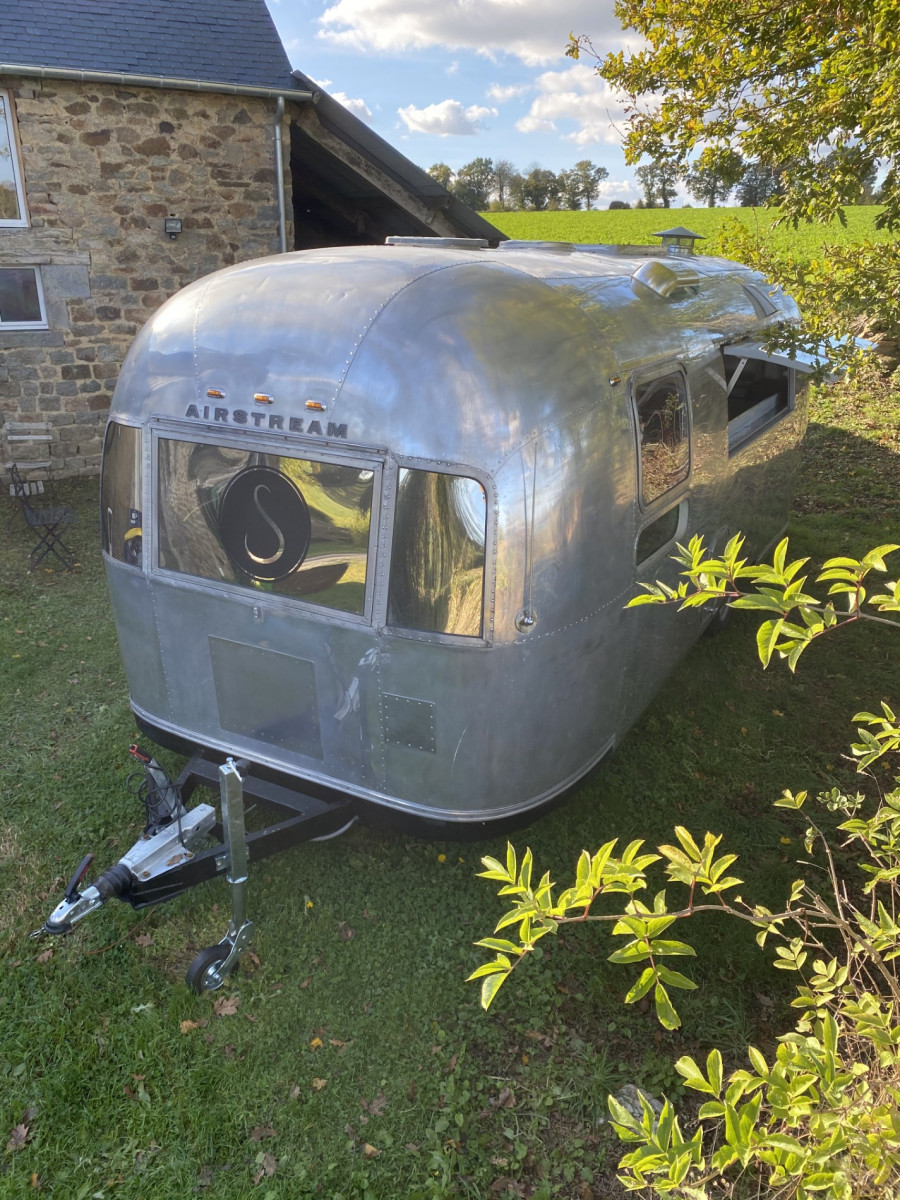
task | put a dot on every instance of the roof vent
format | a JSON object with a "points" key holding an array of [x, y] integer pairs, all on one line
{"points": [[546, 247], [679, 242], [663, 279], [439, 243]]}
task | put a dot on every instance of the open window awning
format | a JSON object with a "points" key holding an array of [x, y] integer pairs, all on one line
{"points": [[806, 361]]}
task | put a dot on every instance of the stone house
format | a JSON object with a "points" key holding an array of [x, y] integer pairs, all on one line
{"points": [[144, 144]]}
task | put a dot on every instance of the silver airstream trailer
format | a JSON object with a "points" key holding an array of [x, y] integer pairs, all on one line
{"points": [[371, 517]]}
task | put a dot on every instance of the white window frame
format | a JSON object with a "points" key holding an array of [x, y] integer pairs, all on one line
{"points": [[20, 222], [42, 323]]}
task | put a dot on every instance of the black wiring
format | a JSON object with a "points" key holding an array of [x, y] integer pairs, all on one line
{"points": [[162, 804]]}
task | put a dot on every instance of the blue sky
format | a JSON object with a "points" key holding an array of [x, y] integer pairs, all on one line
{"points": [[449, 80]]}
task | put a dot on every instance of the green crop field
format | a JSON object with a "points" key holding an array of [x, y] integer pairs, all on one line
{"points": [[639, 225]]}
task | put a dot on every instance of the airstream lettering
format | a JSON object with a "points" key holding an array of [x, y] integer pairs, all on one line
{"points": [[261, 420], [361, 594]]}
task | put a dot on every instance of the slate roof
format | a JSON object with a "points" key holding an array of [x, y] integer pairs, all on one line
{"points": [[221, 41]]}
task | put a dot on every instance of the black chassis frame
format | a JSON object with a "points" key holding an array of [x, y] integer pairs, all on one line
{"points": [[309, 817]]}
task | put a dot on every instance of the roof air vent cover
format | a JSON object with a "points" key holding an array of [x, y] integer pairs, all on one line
{"points": [[666, 279]]}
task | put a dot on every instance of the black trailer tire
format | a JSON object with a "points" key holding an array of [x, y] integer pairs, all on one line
{"points": [[200, 977]]}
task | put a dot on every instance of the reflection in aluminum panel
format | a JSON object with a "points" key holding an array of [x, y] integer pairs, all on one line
{"points": [[437, 563], [266, 696]]}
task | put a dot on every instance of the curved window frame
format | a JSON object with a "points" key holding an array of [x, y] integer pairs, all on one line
{"points": [[640, 383], [457, 470], [122, 540]]}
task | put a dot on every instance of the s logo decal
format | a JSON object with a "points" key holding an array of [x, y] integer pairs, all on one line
{"points": [[264, 523]]}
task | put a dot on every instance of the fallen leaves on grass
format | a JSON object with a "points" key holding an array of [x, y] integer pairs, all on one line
{"points": [[18, 1138], [318, 1084], [226, 1007], [370, 1151], [187, 1026], [268, 1165], [375, 1108], [262, 1131], [45, 955]]}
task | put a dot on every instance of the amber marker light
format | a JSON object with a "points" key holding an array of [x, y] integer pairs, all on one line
{"points": [[315, 405], [215, 393], [262, 398]]}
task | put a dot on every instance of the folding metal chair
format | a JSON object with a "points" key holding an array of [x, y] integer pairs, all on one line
{"points": [[47, 523]]}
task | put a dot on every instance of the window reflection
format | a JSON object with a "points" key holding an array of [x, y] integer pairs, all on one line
{"points": [[10, 183], [120, 494], [292, 526], [437, 561], [658, 533], [20, 297], [665, 448]]}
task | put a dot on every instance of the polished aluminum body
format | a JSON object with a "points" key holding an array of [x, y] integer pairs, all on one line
{"points": [[429, 614]]}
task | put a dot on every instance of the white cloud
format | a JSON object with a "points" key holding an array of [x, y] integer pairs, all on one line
{"points": [[616, 189], [452, 69], [501, 94], [359, 108], [447, 119], [576, 96], [531, 30]]}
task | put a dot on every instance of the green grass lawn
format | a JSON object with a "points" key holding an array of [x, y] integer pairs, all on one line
{"points": [[638, 226], [348, 1057]]}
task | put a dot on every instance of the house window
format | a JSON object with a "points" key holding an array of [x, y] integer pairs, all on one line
{"points": [[12, 202], [662, 416], [21, 298]]}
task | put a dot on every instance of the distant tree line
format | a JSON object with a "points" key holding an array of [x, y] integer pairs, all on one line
{"points": [[487, 185]]}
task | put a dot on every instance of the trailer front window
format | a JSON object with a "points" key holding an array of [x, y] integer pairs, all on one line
{"points": [[120, 494], [437, 560], [292, 526]]}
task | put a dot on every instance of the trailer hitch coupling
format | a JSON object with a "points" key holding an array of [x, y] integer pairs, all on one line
{"points": [[165, 844]]}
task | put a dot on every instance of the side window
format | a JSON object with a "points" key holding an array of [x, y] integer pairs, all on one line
{"points": [[760, 392], [21, 297], [12, 199], [665, 450], [437, 559], [659, 532], [121, 521]]}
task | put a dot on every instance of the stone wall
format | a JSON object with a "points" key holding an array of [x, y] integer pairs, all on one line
{"points": [[103, 166]]}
